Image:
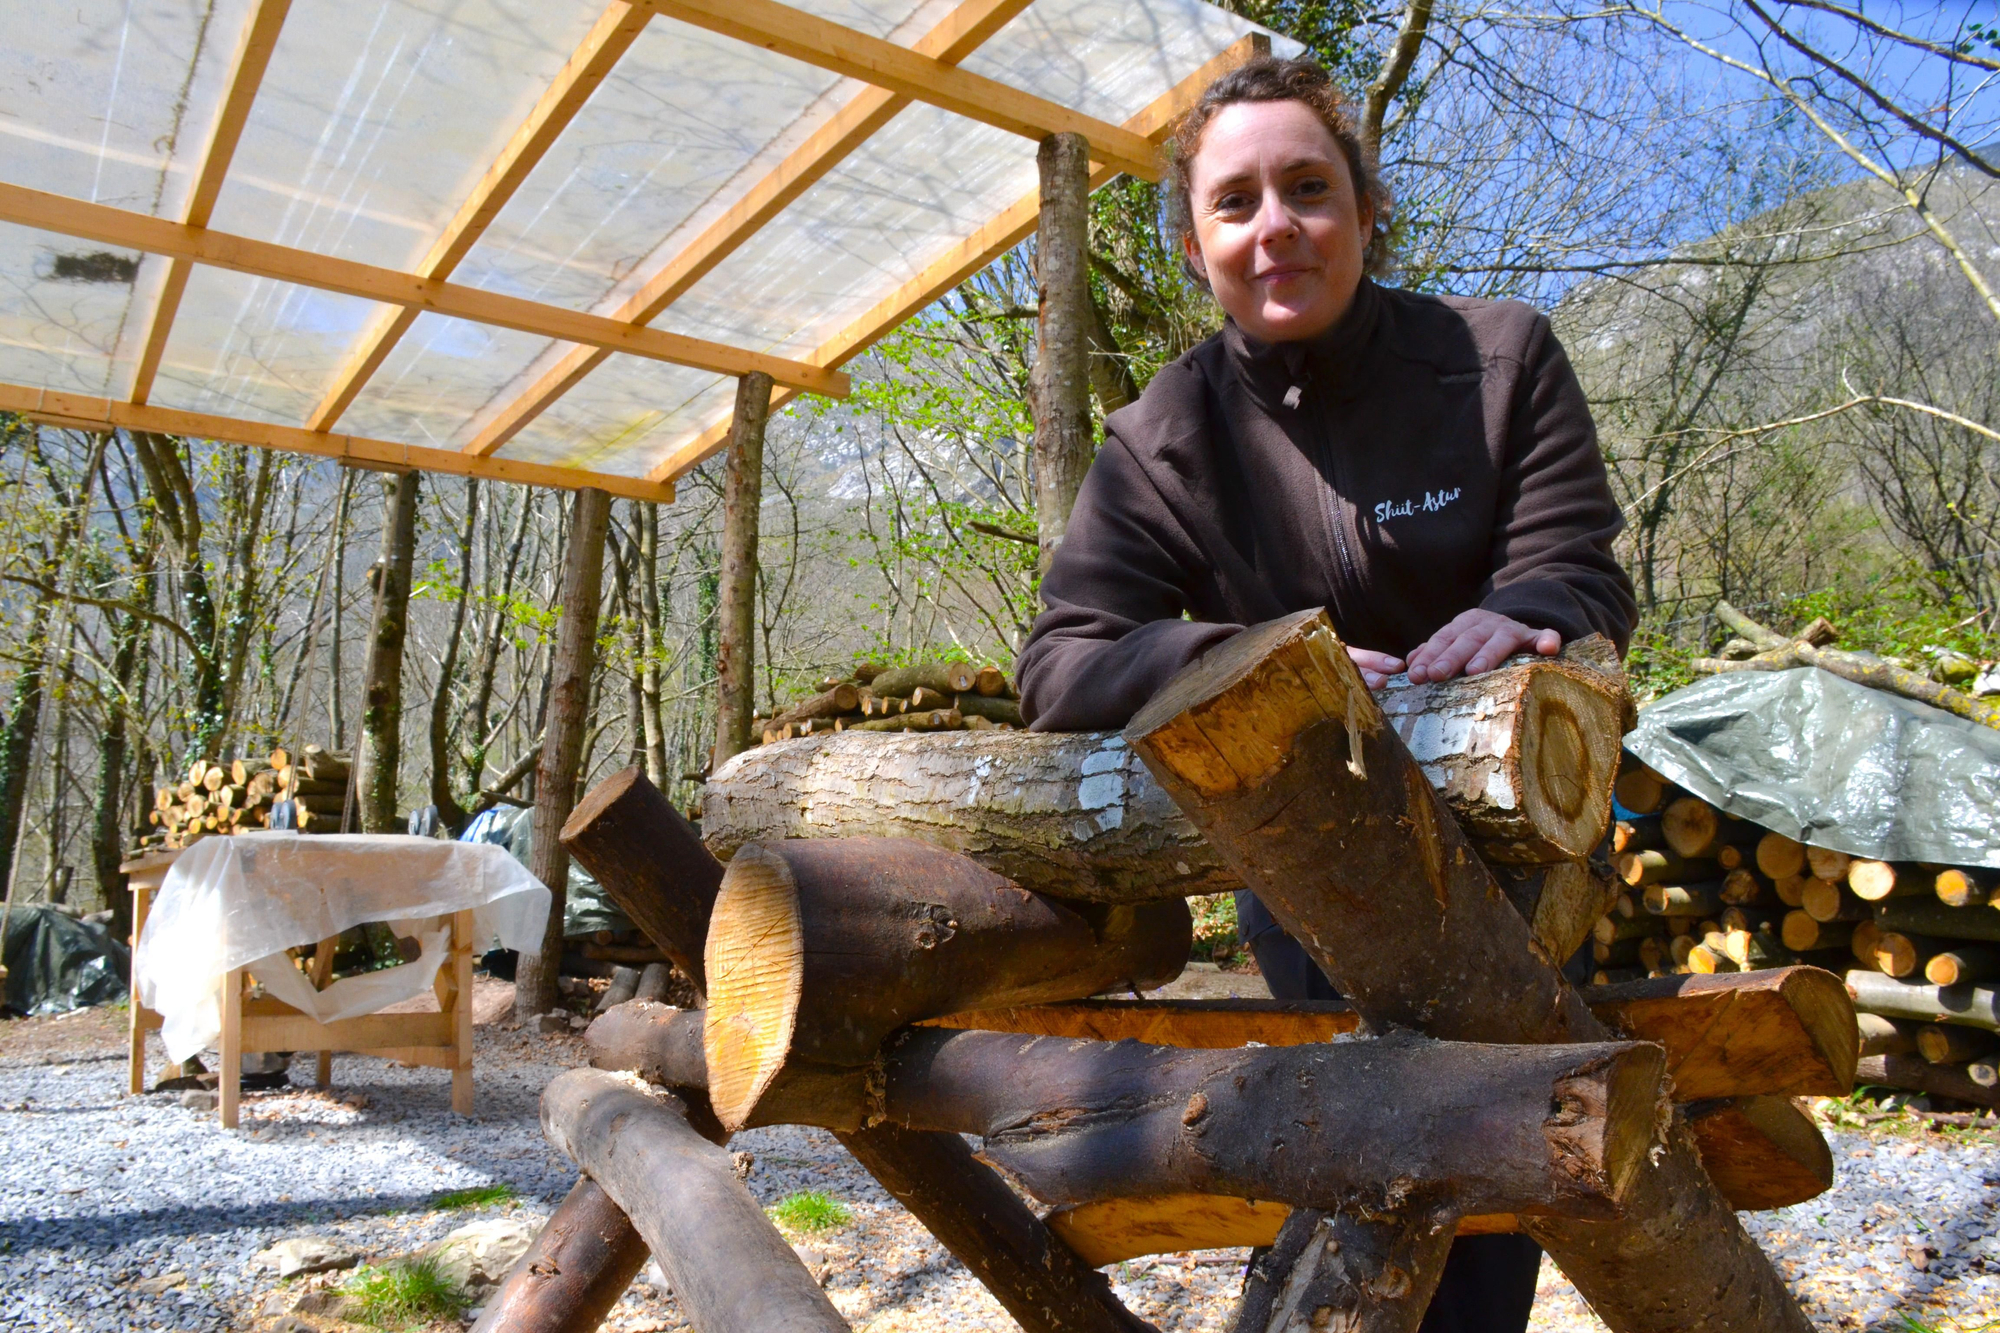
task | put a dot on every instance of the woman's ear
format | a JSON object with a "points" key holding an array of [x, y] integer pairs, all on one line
{"points": [[1193, 253]]}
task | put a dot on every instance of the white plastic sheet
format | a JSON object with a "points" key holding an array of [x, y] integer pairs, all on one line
{"points": [[242, 901]]}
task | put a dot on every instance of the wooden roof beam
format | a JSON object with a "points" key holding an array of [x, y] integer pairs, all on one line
{"points": [[1002, 234], [609, 38], [815, 41], [241, 254], [83, 412], [951, 41], [253, 57]]}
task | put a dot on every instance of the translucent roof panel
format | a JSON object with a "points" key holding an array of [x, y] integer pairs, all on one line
{"points": [[377, 121]]}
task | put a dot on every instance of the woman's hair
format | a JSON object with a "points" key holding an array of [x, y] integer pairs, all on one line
{"points": [[1268, 79]]}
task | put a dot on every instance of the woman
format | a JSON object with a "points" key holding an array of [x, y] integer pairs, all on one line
{"points": [[1424, 468]]}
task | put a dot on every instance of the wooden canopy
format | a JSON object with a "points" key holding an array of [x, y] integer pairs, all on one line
{"points": [[533, 243]]}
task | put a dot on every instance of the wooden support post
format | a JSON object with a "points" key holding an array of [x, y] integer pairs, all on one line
{"points": [[731, 1270], [562, 741], [1062, 352], [461, 1011], [1335, 1270], [651, 862], [736, 597], [322, 972], [567, 1282], [230, 1055], [820, 948], [1274, 747], [382, 697]]}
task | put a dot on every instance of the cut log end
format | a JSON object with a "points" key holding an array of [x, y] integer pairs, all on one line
{"points": [[755, 962]]}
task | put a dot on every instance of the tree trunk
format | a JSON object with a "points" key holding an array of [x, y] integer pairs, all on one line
{"points": [[1038, 1279], [178, 510], [742, 498], [586, 1256], [1337, 1271], [818, 950], [1061, 396], [647, 516], [380, 755], [449, 812], [562, 740], [731, 1271], [1078, 816], [1973, 1006], [1276, 750], [651, 863]]}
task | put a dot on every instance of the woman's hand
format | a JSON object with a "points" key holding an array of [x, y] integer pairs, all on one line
{"points": [[1473, 642], [1376, 668]]}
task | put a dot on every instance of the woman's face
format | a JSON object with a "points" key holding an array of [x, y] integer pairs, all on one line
{"points": [[1278, 230]]}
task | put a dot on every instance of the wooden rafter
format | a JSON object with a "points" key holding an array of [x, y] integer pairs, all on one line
{"points": [[1008, 229], [247, 75], [80, 411], [241, 254], [951, 41], [815, 41], [608, 40]]}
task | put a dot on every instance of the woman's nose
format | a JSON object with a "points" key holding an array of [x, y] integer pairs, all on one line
{"points": [[1275, 221]]}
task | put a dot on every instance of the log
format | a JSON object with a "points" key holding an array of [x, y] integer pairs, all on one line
{"points": [[1919, 916], [1560, 902], [1684, 899], [1340, 1271], [1037, 1278], [683, 888], [1521, 1129], [1862, 942], [1901, 955], [1275, 749], [1960, 964], [1198, 1024], [1885, 1036], [731, 1271], [1919, 1075], [903, 681], [1872, 881], [1077, 816], [1744, 885], [1973, 1006], [1824, 900], [1801, 932], [1825, 863], [1636, 835], [818, 950], [837, 701], [1947, 1044], [1863, 669], [1661, 867], [585, 1257], [1695, 829], [650, 862], [992, 709], [1113, 1230], [1762, 1152], [1963, 888], [1778, 856], [1639, 789], [991, 681], [624, 985], [654, 982], [1525, 755]]}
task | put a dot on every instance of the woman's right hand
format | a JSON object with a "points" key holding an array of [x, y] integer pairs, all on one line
{"points": [[1376, 668]]}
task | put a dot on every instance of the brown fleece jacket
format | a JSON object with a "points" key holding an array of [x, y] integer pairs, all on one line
{"points": [[1425, 456]]}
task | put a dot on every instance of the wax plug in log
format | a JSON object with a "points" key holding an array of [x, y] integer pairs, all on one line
{"points": [[818, 950], [1276, 750]]}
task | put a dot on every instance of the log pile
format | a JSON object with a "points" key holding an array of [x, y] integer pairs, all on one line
{"points": [[1704, 892], [243, 795], [930, 696]]}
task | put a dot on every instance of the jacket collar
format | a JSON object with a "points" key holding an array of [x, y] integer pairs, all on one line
{"points": [[1330, 363]]}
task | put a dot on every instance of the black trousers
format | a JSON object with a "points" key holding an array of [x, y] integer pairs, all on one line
{"points": [[1489, 1281]]}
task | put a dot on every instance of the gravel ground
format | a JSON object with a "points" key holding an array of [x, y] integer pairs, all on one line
{"points": [[124, 1212]]}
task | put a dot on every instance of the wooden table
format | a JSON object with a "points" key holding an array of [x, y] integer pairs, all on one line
{"points": [[441, 1040]]}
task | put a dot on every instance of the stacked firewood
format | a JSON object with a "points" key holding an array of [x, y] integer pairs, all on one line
{"points": [[1706, 892], [242, 795], [931, 696]]}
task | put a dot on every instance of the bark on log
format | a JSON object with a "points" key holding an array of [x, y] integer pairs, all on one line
{"points": [[1273, 745], [1918, 1075], [651, 863], [1077, 816], [1862, 669], [1963, 964], [1117, 1229], [1885, 1036], [1338, 1271], [1922, 917], [1037, 1277], [731, 1270], [585, 1257], [1974, 1006], [1948, 1044], [818, 950], [1560, 902]]}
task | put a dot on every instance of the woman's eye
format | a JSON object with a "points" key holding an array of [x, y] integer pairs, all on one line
{"points": [[1233, 202], [1310, 187]]}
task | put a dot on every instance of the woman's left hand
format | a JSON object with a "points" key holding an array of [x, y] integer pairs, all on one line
{"points": [[1477, 641]]}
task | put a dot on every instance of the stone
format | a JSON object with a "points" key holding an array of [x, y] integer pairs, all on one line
{"points": [[291, 1323], [326, 1305], [481, 1254], [198, 1099], [306, 1254], [553, 1022], [741, 1164], [155, 1286], [656, 1277]]}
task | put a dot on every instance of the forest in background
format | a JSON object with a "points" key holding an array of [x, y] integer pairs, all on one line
{"points": [[1768, 234]]}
